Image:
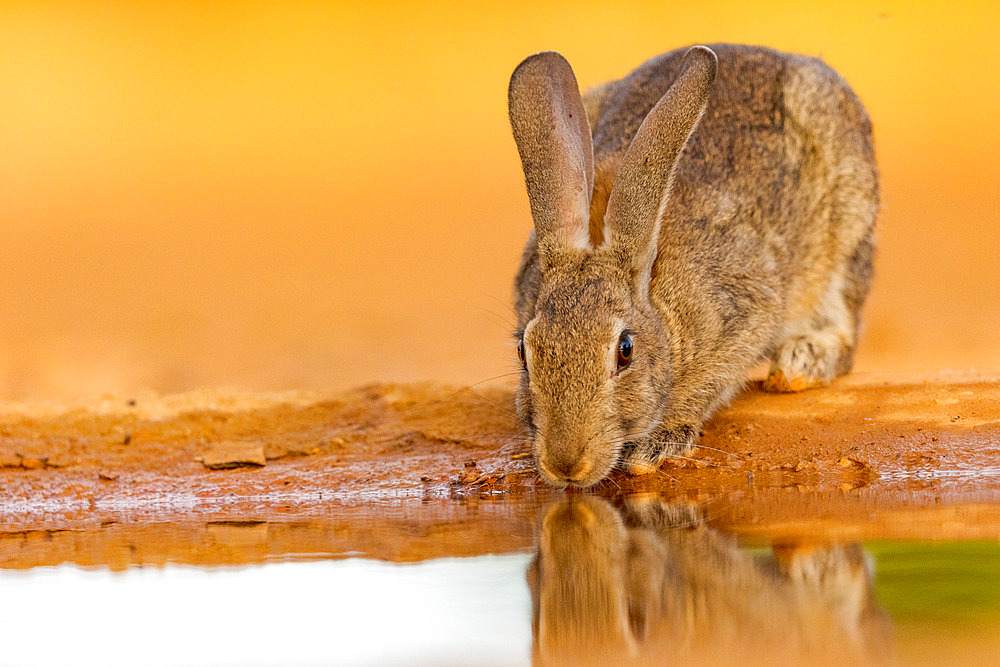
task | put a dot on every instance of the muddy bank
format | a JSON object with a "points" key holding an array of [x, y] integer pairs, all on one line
{"points": [[872, 456]]}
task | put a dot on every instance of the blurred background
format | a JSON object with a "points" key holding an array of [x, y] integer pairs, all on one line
{"points": [[291, 195]]}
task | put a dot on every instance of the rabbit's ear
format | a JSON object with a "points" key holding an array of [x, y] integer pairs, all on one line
{"points": [[553, 138], [642, 186]]}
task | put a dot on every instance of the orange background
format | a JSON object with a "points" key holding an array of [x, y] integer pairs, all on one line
{"points": [[274, 195]]}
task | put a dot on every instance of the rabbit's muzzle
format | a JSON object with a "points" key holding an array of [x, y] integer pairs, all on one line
{"points": [[571, 457], [563, 470]]}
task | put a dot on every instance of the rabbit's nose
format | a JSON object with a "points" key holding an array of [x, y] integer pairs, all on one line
{"points": [[566, 469]]}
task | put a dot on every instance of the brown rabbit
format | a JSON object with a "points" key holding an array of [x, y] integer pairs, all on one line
{"points": [[712, 208], [653, 584]]}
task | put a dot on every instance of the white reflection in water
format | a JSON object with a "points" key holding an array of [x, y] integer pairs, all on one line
{"points": [[346, 612]]}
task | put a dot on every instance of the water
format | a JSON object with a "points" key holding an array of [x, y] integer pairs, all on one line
{"points": [[344, 612], [584, 580]]}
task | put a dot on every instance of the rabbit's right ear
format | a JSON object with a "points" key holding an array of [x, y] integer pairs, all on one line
{"points": [[642, 186], [553, 139]]}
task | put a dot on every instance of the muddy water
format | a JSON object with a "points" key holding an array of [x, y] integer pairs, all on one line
{"points": [[580, 579]]}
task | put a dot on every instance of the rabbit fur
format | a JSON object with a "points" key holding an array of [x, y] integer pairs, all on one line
{"points": [[717, 206]]}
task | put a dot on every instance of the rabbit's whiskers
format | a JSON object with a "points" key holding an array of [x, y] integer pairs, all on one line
{"points": [[502, 303], [721, 451], [689, 458]]}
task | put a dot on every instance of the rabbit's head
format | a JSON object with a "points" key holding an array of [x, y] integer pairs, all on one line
{"points": [[595, 351]]}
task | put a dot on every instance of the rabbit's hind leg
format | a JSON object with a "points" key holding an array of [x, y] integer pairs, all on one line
{"points": [[805, 361], [821, 347]]}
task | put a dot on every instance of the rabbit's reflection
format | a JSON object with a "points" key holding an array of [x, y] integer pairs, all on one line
{"points": [[652, 581]]}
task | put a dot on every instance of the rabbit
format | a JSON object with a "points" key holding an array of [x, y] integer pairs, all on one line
{"points": [[712, 209], [651, 583]]}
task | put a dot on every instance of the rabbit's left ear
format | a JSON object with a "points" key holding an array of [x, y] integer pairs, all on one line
{"points": [[553, 139], [641, 189]]}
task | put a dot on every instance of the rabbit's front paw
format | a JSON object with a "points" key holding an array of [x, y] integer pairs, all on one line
{"points": [[645, 456]]}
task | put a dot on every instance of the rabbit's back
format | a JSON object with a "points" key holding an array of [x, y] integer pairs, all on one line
{"points": [[772, 204], [778, 130]]}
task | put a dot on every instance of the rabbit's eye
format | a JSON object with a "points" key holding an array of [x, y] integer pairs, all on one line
{"points": [[624, 350], [520, 353]]}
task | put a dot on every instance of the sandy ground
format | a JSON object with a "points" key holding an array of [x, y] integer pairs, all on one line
{"points": [[875, 455]]}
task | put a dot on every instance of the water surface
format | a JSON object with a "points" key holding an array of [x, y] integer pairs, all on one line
{"points": [[630, 580]]}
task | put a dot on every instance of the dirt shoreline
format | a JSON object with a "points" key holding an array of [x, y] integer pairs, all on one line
{"points": [[395, 467]]}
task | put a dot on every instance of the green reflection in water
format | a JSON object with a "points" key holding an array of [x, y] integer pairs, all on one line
{"points": [[953, 584]]}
